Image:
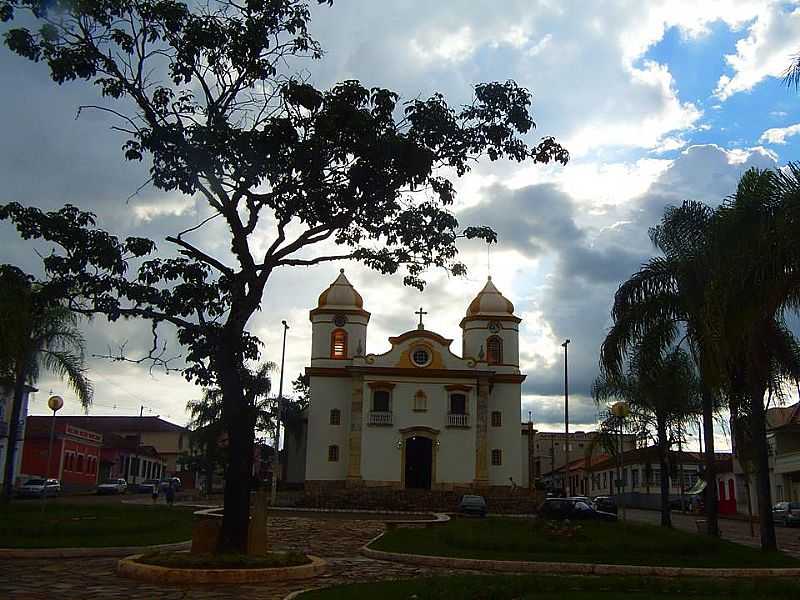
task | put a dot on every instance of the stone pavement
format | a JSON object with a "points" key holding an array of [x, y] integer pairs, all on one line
{"points": [[730, 529], [335, 540]]}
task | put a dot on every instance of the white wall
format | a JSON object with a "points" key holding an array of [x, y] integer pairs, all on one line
{"points": [[506, 398], [328, 393]]}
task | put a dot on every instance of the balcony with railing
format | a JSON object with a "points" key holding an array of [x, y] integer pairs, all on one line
{"points": [[457, 420], [379, 418]]}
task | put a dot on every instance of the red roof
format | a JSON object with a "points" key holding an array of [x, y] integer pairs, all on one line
{"points": [[114, 424]]}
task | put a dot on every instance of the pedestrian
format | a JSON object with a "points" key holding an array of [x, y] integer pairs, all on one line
{"points": [[170, 493], [155, 493]]}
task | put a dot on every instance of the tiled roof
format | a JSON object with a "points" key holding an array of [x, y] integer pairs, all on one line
{"points": [[104, 424]]}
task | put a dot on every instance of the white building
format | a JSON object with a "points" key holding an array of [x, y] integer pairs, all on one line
{"points": [[419, 415]]}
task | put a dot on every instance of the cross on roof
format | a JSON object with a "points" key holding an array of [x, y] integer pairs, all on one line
{"points": [[420, 312]]}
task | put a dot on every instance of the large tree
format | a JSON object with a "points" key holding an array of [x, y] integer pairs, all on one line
{"points": [[663, 393], [669, 301], [758, 271], [207, 92], [37, 332]]}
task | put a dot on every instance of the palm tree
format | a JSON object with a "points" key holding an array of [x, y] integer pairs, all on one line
{"points": [[759, 282], [668, 302], [38, 333], [662, 391], [208, 421]]}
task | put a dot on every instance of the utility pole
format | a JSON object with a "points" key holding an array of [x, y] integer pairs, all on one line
{"points": [[568, 486], [276, 463], [530, 451]]}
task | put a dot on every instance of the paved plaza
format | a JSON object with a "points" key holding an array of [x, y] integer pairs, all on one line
{"points": [[336, 540]]}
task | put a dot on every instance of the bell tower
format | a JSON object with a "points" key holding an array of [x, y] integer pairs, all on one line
{"points": [[339, 325], [491, 330]]}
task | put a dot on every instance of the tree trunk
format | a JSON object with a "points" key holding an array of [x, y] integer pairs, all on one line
{"points": [[761, 459], [240, 425], [712, 505], [663, 450], [210, 468], [13, 434]]}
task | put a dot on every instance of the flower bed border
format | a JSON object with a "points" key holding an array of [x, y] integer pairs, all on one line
{"points": [[129, 567], [568, 568], [100, 551]]}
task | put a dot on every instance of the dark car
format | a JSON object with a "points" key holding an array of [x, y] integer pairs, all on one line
{"points": [[570, 508], [605, 504], [787, 513], [472, 505]]}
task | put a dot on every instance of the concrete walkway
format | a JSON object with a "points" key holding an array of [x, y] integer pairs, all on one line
{"points": [[731, 529]]}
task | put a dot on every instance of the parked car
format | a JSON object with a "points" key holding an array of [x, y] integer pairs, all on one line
{"points": [[36, 488], [147, 486], [787, 513], [570, 508], [605, 504], [113, 486], [472, 505]]}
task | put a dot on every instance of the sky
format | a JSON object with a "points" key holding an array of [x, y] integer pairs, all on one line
{"points": [[657, 102]]}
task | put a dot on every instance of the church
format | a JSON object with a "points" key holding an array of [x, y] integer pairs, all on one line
{"points": [[420, 415]]}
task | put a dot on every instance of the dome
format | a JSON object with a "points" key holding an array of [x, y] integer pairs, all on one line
{"points": [[341, 294], [490, 302]]}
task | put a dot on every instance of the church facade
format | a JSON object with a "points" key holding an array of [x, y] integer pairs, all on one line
{"points": [[419, 415]]}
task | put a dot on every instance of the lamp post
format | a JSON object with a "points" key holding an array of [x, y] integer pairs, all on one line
{"points": [[568, 486], [621, 410], [276, 464], [54, 403]]}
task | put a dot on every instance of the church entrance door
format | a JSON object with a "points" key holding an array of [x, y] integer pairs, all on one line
{"points": [[419, 462]]}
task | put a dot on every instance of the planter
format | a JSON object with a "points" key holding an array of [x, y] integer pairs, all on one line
{"points": [[129, 567]]}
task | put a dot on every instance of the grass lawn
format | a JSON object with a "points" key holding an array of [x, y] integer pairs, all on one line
{"points": [[22, 525], [184, 560], [590, 542], [550, 587]]}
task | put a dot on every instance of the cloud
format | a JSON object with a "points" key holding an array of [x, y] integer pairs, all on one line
{"points": [[568, 235], [778, 135], [767, 51]]}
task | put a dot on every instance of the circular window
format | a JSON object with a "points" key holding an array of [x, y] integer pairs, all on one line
{"points": [[339, 320], [421, 357]]}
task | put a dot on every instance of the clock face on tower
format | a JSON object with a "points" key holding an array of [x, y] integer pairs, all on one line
{"points": [[494, 326], [339, 320]]}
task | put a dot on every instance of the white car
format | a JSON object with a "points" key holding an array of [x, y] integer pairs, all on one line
{"points": [[38, 488], [113, 486]]}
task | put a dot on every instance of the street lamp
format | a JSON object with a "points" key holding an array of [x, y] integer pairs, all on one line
{"points": [[276, 464], [621, 410], [55, 403], [568, 486]]}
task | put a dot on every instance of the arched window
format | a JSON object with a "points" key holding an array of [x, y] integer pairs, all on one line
{"points": [[494, 350], [339, 344], [336, 416]]}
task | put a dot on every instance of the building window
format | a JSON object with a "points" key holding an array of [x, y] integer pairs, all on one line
{"points": [[339, 344], [458, 404], [497, 418], [421, 356], [497, 457], [333, 453], [494, 350], [336, 416], [381, 401], [79, 467], [420, 401], [635, 478]]}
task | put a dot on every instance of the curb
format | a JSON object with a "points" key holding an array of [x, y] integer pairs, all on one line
{"points": [[566, 568], [127, 567], [112, 551]]}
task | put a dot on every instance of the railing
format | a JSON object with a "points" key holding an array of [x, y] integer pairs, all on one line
{"points": [[455, 420], [3, 429], [380, 418]]}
